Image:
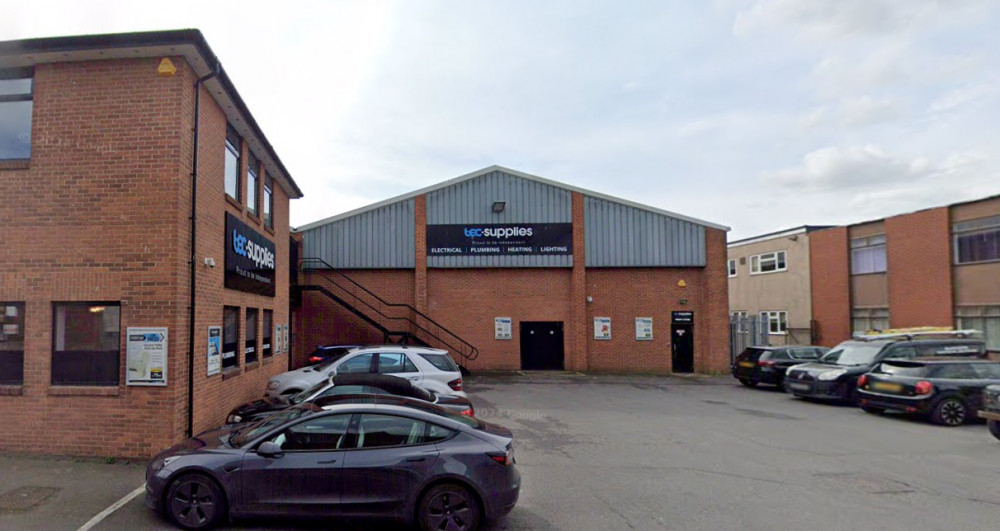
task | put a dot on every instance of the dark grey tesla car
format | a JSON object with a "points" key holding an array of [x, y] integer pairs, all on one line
{"points": [[390, 457]]}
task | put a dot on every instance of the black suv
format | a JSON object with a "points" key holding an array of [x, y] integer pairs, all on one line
{"points": [[835, 375], [757, 365]]}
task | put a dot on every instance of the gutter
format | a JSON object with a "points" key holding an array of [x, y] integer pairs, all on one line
{"points": [[194, 232]]}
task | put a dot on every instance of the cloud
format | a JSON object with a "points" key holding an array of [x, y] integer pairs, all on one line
{"points": [[832, 18], [961, 96], [854, 112], [832, 168]]}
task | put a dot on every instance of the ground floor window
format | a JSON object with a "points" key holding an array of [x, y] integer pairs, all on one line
{"points": [[777, 322], [230, 336], [267, 339], [11, 343], [250, 349], [986, 319], [85, 343], [865, 319]]}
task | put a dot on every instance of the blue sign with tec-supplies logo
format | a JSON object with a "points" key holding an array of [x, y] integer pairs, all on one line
{"points": [[250, 259]]}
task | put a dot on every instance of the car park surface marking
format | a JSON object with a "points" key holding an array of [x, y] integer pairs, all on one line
{"points": [[112, 508]]}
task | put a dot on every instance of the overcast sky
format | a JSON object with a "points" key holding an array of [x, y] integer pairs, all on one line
{"points": [[756, 114]]}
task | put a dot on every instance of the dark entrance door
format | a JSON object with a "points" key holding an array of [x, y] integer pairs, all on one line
{"points": [[541, 345], [682, 341]]}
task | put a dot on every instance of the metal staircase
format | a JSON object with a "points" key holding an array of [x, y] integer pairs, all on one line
{"points": [[399, 323]]}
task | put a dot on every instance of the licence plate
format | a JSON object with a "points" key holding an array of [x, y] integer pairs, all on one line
{"points": [[887, 386], [747, 364], [798, 386]]}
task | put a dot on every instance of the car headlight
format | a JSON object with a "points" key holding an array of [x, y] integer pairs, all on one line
{"points": [[272, 385], [161, 463], [234, 419], [831, 375]]}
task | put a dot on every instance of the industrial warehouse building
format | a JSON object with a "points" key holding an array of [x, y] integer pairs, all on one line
{"points": [[144, 253], [512, 271]]}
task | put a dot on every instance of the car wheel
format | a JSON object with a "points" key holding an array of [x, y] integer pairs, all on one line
{"points": [[994, 427], [448, 507], [949, 412], [872, 410], [748, 382], [194, 501]]}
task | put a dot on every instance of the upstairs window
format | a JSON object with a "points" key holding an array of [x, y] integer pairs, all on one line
{"points": [[768, 263], [253, 166], [977, 240], [232, 163], [868, 255], [268, 201], [732, 268], [15, 114]]}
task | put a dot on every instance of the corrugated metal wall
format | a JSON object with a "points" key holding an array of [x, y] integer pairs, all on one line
{"points": [[379, 239], [622, 236], [527, 202]]}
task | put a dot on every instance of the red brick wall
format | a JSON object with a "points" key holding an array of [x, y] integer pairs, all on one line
{"points": [[830, 269], [918, 247], [102, 214]]}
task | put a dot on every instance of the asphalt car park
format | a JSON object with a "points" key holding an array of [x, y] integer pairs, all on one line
{"points": [[644, 452]]}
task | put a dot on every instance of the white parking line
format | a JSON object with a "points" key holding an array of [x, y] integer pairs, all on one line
{"points": [[114, 507]]}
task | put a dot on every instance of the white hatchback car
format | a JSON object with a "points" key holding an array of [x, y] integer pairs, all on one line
{"points": [[429, 368]]}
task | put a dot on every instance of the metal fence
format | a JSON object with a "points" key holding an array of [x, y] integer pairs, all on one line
{"points": [[745, 331]]}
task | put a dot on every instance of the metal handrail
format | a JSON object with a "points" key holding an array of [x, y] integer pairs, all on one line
{"points": [[463, 349]]}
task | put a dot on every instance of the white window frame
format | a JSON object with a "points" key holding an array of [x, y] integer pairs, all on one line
{"points": [[777, 322], [758, 260], [861, 252], [732, 268]]}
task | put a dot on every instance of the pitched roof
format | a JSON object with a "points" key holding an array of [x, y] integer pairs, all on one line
{"points": [[515, 173]]}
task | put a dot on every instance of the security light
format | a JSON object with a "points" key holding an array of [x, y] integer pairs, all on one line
{"points": [[498, 206]]}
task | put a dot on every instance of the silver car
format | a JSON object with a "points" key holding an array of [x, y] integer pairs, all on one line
{"points": [[430, 368]]}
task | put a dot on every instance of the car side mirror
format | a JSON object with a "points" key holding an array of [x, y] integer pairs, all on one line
{"points": [[270, 449]]}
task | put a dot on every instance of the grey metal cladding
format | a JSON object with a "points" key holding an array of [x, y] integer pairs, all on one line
{"points": [[623, 236], [526, 201], [378, 239]]}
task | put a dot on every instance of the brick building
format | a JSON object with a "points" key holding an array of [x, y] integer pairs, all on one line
{"points": [[769, 277], [519, 272], [934, 267], [144, 277]]}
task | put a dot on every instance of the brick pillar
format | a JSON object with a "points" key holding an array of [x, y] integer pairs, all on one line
{"points": [[420, 269], [918, 249], [831, 285], [577, 358]]}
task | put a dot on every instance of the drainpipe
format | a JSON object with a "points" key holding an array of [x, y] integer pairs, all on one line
{"points": [[194, 228]]}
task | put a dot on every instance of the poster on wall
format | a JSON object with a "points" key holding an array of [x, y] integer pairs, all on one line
{"points": [[503, 327], [214, 350], [277, 339], [602, 328], [146, 356], [643, 328], [284, 338]]}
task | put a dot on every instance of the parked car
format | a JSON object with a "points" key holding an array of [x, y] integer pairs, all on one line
{"points": [[349, 385], [326, 352], [429, 368], [757, 365], [835, 375], [945, 390], [396, 458], [990, 409]]}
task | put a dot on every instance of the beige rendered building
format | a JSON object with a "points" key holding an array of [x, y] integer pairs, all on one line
{"points": [[769, 277]]}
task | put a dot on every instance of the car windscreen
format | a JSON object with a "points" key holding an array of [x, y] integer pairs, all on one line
{"points": [[254, 429], [442, 362], [298, 398], [914, 370], [851, 353]]}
